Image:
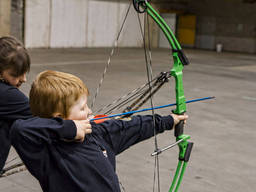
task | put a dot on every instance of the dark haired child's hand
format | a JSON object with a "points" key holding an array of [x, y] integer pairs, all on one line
{"points": [[178, 118], [83, 127]]}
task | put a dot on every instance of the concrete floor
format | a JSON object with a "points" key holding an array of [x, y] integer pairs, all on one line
{"points": [[223, 130]]}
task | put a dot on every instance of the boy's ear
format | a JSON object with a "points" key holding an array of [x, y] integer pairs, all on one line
{"points": [[57, 114]]}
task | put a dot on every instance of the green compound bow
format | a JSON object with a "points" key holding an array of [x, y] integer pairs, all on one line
{"points": [[179, 58]]}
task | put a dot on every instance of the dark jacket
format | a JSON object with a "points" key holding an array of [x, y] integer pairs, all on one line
{"points": [[13, 105], [80, 167]]}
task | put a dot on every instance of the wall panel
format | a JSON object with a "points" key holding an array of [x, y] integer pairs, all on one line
{"points": [[68, 23], [131, 34], [102, 23], [79, 23], [37, 23]]}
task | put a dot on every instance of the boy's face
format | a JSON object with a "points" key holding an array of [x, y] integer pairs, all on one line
{"points": [[9, 76], [80, 110]]}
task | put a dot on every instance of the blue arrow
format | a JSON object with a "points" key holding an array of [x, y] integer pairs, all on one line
{"points": [[149, 109]]}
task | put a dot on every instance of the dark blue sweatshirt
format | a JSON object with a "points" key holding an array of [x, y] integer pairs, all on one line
{"points": [[15, 105], [80, 167]]}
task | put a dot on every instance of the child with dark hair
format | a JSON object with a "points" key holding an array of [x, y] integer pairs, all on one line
{"points": [[14, 61], [70, 166], [14, 65]]}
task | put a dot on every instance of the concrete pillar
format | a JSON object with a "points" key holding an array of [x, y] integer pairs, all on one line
{"points": [[5, 17], [17, 19]]}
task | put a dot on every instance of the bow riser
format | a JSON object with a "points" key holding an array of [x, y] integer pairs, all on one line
{"points": [[177, 73]]}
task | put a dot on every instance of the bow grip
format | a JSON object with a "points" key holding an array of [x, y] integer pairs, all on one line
{"points": [[179, 128]]}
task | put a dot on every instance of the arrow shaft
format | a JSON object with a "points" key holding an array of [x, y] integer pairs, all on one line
{"points": [[149, 109]]}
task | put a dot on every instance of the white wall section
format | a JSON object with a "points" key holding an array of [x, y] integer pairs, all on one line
{"points": [[37, 23], [102, 23], [68, 23], [131, 35], [79, 23]]}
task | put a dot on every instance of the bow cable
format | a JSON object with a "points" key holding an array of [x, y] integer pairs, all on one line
{"points": [[110, 57], [138, 94], [148, 60]]}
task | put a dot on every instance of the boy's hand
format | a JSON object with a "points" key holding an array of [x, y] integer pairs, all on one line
{"points": [[178, 118], [83, 127]]}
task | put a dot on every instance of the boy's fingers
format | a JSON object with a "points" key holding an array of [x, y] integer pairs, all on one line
{"points": [[88, 129], [83, 127], [178, 118], [87, 121], [183, 117]]}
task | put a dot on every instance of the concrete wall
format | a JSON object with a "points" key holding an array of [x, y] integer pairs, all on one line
{"points": [[95, 23], [5, 17], [68, 23], [231, 23], [79, 23], [37, 23]]}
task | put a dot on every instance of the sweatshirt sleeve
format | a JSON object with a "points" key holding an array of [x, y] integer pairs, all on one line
{"points": [[122, 134], [13, 104], [40, 131], [31, 139]]}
